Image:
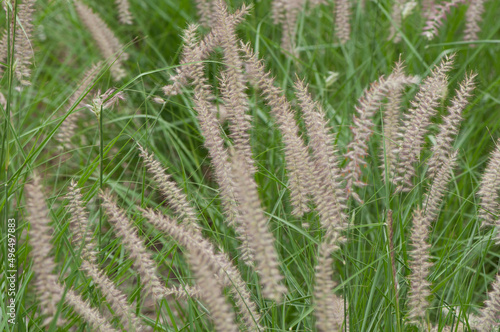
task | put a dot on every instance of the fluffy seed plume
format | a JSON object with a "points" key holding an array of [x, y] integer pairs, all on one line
{"points": [[329, 197], [278, 10], [116, 298], [397, 18], [67, 128], [169, 189], [435, 193], [291, 10], [141, 259], [23, 48], [254, 223], [328, 194], [362, 130], [391, 119], [205, 12], [342, 20], [4, 50], [79, 224], [109, 45], [435, 20], [103, 101], [195, 51], [223, 34], [233, 87], [420, 254], [448, 130], [473, 18], [489, 188], [330, 309], [212, 294], [89, 314], [179, 202], [286, 13], [219, 263], [488, 320], [416, 122], [420, 265], [83, 239], [428, 8], [207, 118], [46, 283], [298, 164], [50, 291], [124, 15], [209, 124], [215, 145]]}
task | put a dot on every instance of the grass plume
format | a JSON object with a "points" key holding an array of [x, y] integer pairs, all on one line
{"points": [[109, 45], [416, 122], [488, 189]]}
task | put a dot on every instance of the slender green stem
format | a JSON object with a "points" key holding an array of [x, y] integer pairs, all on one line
{"points": [[101, 160]]}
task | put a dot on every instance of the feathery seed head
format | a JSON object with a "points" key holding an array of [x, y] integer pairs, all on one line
{"points": [[473, 18], [416, 122], [212, 294], [418, 302], [254, 224], [328, 190], [46, 282], [90, 314], [329, 308], [124, 15], [115, 297], [391, 119], [369, 103], [434, 196], [217, 262], [205, 12], [437, 17], [109, 45], [48, 287], [107, 100], [449, 128], [233, 87], [138, 253], [79, 223], [298, 164], [67, 128], [23, 48], [488, 320], [176, 198], [342, 18], [489, 189]]}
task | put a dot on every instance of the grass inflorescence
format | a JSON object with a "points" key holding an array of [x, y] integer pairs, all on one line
{"points": [[282, 165]]}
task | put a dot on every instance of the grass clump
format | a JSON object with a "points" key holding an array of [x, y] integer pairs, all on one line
{"points": [[287, 166]]}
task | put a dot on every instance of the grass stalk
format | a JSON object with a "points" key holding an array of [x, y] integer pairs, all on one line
{"points": [[101, 170]]}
